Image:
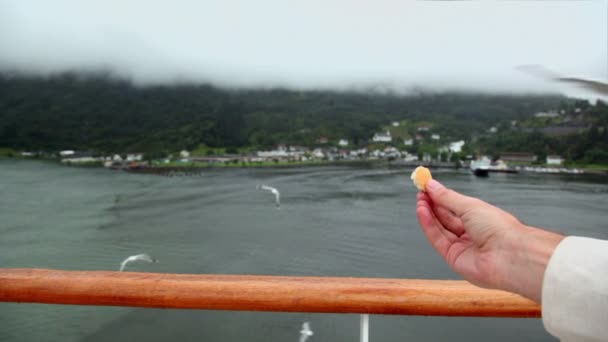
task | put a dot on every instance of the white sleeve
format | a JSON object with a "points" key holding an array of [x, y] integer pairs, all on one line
{"points": [[575, 290]]}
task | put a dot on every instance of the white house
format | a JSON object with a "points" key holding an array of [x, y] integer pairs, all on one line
{"points": [[456, 146], [391, 151], [395, 123], [493, 129], [554, 160], [117, 157], [359, 152], [184, 154], [435, 136], [377, 153], [343, 142], [318, 153], [66, 153], [411, 157], [272, 154], [134, 157], [550, 114], [382, 137], [408, 142]]}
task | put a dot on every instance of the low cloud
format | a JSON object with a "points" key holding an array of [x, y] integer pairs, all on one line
{"points": [[386, 45]]}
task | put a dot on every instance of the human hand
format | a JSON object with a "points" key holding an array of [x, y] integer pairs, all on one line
{"points": [[486, 245]]}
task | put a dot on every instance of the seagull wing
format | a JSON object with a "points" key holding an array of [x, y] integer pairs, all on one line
{"points": [[596, 86], [267, 188], [541, 72], [274, 191], [144, 257], [124, 263], [277, 196], [305, 333]]}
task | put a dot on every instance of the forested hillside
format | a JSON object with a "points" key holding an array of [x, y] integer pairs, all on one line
{"points": [[99, 113]]}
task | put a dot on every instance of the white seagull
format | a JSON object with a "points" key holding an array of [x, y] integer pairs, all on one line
{"points": [[276, 193], [143, 257], [305, 333], [539, 71]]}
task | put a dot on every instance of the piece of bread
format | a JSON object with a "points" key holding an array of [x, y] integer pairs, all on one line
{"points": [[421, 176]]}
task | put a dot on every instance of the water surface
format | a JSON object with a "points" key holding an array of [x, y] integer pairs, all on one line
{"points": [[334, 221]]}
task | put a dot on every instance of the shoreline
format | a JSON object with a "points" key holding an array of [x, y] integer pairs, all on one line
{"points": [[189, 168]]}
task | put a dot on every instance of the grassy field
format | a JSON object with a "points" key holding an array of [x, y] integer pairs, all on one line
{"points": [[598, 168], [8, 152]]}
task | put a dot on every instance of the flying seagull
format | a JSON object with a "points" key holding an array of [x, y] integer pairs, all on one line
{"points": [[274, 191], [143, 257], [539, 71], [305, 333]]}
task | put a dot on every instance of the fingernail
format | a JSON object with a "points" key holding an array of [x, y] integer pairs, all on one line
{"points": [[434, 186]]}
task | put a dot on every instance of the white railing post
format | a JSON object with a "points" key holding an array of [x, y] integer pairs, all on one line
{"points": [[364, 328]]}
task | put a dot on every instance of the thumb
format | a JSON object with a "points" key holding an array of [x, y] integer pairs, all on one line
{"points": [[450, 199]]}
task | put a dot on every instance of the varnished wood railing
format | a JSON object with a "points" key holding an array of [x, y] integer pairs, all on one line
{"points": [[261, 293]]}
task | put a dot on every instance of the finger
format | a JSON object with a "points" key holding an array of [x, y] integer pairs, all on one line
{"points": [[423, 196], [454, 227], [450, 221], [426, 200], [431, 228], [457, 203]]}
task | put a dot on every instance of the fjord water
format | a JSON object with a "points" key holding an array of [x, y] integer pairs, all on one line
{"points": [[333, 221]]}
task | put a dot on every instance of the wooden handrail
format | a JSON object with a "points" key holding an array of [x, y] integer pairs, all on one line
{"points": [[261, 293]]}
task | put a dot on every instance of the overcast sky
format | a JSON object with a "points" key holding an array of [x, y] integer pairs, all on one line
{"points": [[473, 45]]}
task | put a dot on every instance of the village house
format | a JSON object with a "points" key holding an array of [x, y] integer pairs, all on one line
{"points": [[358, 153], [549, 114], [322, 140], [408, 142], [391, 151], [382, 137], [66, 153], [272, 154], [377, 154], [135, 157], [435, 136], [456, 146], [410, 157], [554, 160], [343, 142], [318, 153], [395, 123]]}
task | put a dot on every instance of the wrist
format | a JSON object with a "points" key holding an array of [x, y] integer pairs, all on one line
{"points": [[528, 261]]}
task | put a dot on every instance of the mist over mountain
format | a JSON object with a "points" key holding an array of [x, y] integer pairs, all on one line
{"points": [[101, 113]]}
